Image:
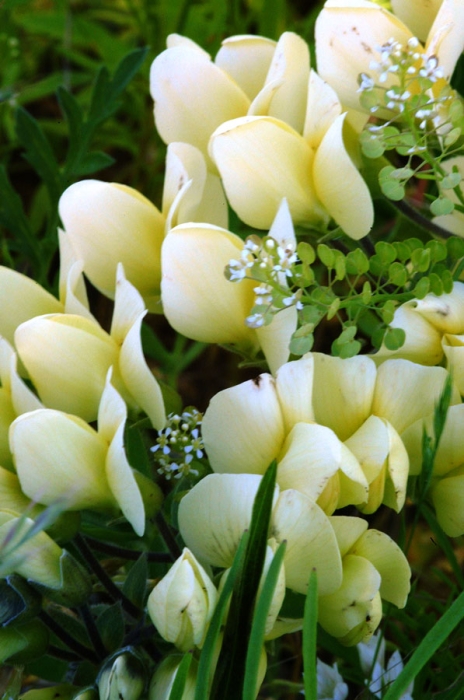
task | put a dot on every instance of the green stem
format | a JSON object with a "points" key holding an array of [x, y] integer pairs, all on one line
{"points": [[81, 650]]}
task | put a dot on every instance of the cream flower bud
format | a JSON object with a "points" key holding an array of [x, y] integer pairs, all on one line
{"points": [[165, 675], [122, 678], [182, 603]]}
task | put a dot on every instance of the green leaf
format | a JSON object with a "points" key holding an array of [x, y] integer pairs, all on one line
{"points": [[13, 218], [378, 336], [306, 252], [427, 648], [38, 152], [300, 346], [447, 281], [259, 624], [452, 136], [441, 206], [438, 251], [310, 639], [357, 262], [403, 252], [180, 680], [110, 624], [232, 659], [391, 188], [420, 259], [372, 145], [18, 600], [366, 293], [436, 285], [333, 308], [127, 69], [76, 585], [350, 349], [422, 288], [394, 338], [72, 111], [451, 181], [92, 162], [135, 584], [326, 255], [208, 652], [397, 274], [388, 311], [340, 266], [386, 252]]}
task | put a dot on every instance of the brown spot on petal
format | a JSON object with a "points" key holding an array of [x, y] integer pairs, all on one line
{"points": [[366, 47]]}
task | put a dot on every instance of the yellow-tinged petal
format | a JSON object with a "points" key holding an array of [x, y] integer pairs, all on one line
{"points": [[246, 58], [350, 605], [26, 299], [139, 379], [406, 391], [261, 160], [192, 96], [379, 449], [446, 312], [58, 456], [453, 347], [448, 500], [347, 530], [339, 186], [67, 358], [274, 339], [243, 428], [423, 340], [321, 111], [190, 192], [198, 301], [11, 496], [347, 35], [294, 384], [122, 483], [289, 70], [215, 513], [311, 455], [110, 223], [343, 391], [450, 453], [72, 291], [390, 562], [418, 15], [311, 543], [446, 37], [38, 558]]}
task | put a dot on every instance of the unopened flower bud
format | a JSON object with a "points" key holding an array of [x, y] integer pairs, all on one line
{"points": [[122, 678], [182, 603]]}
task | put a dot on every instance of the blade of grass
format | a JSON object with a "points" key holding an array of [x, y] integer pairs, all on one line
{"points": [[427, 648], [259, 624], [180, 680]]}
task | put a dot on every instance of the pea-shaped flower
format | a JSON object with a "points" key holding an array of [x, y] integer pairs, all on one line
{"points": [[60, 457], [333, 425], [374, 568], [107, 223], [216, 512], [182, 603], [68, 356]]}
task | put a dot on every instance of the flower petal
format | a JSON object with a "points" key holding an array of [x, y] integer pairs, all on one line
{"points": [[311, 543], [294, 384], [198, 301], [192, 96], [110, 223], [321, 111], [261, 160], [339, 186], [246, 58], [243, 427]]}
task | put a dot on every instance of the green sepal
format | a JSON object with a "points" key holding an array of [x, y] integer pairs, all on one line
{"points": [[135, 585], [75, 587], [22, 643], [18, 600]]}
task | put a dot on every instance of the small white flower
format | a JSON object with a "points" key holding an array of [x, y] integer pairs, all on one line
{"points": [[330, 684]]}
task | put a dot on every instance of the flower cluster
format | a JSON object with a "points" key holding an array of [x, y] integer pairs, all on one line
{"points": [[178, 444]]}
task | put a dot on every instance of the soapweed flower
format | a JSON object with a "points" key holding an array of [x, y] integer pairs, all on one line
{"points": [[68, 356], [333, 425], [182, 603], [59, 456], [107, 223]]}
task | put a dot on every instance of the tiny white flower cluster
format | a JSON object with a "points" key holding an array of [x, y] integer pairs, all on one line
{"points": [[271, 264], [178, 444]]}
